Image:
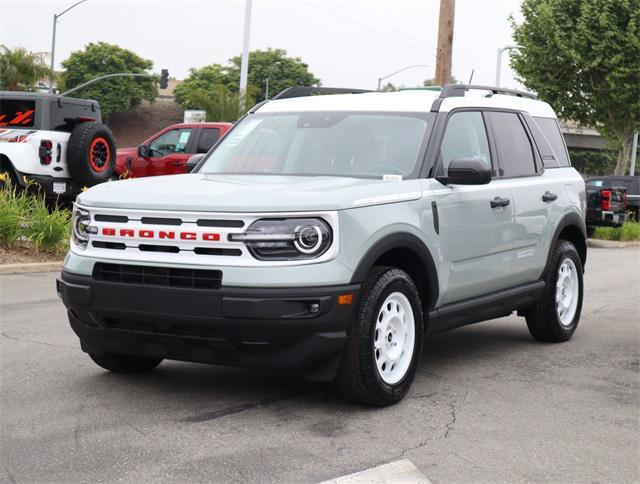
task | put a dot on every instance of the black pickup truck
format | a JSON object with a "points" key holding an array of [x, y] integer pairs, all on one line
{"points": [[606, 203]]}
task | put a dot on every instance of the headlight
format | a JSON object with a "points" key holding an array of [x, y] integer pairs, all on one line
{"points": [[286, 239], [80, 228]]}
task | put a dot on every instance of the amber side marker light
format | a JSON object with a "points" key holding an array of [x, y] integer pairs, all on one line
{"points": [[345, 299]]}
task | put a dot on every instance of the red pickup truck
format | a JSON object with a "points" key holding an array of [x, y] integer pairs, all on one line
{"points": [[167, 152]]}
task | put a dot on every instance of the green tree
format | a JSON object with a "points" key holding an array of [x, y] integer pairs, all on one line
{"points": [[389, 87], [219, 103], [116, 94], [432, 81], [21, 69], [582, 56], [273, 64]]}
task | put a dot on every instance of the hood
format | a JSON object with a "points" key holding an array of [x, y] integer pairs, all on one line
{"points": [[127, 152], [247, 193]]}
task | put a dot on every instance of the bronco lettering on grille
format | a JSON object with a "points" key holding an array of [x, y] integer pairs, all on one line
{"points": [[161, 234]]}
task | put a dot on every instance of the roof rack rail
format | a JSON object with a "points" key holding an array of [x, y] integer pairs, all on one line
{"points": [[303, 91], [458, 90]]}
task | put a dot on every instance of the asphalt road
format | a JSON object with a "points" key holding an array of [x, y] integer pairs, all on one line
{"points": [[489, 404]]}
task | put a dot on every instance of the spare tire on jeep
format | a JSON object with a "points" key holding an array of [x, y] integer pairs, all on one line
{"points": [[91, 154]]}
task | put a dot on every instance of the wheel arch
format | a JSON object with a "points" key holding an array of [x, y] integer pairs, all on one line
{"points": [[573, 229], [404, 251]]}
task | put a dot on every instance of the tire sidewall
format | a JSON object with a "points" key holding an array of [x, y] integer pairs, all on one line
{"points": [[564, 250], [399, 282], [78, 154]]}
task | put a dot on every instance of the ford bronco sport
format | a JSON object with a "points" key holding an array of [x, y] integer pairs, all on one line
{"points": [[328, 235], [57, 144]]}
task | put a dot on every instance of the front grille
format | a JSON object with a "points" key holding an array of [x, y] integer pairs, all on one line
{"points": [[157, 276], [173, 328]]}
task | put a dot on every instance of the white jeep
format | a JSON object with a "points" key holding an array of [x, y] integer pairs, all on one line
{"points": [[54, 143]]}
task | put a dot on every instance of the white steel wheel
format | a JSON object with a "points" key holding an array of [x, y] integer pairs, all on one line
{"points": [[394, 338], [567, 292]]}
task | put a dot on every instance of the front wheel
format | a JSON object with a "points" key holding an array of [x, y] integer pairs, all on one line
{"points": [[119, 363], [384, 346], [556, 316]]}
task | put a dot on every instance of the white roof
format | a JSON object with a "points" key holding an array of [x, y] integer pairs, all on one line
{"points": [[405, 101]]}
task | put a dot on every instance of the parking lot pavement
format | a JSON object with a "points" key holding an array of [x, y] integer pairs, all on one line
{"points": [[489, 404]]}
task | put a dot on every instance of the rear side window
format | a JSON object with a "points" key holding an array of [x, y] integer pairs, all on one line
{"points": [[514, 148], [465, 137], [17, 113], [551, 130], [208, 137]]}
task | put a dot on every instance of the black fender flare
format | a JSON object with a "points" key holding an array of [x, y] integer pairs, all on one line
{"points": [[401, 240], [571, 219]]}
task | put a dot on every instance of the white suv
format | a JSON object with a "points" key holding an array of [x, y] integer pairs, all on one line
{"points": [[55, 144], [328, 235]]}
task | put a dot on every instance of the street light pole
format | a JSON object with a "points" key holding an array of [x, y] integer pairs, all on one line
{"points": [[266, 89], [380, 79], [499, 60], [244, 62], [56, 16]]}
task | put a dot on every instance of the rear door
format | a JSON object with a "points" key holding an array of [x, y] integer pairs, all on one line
{"points": [[476, 238], [207, 137], [535, 196]]}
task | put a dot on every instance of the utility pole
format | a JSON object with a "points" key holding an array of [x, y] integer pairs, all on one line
{"points": [[445, 42], [244, 63]]}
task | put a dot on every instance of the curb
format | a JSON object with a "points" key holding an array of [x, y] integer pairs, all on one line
{"points": [[30, 267], [610, 244]]}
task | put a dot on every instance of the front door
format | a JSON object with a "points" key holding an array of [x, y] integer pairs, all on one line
{"points": [[476, 232], [168, 154]]}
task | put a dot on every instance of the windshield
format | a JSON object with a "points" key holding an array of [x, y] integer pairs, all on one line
{"points": [[369, 145]]}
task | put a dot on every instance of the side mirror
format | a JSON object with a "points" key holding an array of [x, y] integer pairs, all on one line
{"points": [[143, 151], [467, 171], [193, 161]]}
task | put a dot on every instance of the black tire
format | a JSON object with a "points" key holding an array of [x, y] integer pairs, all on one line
{"points": [[125, 363], [91, 154], [543, 321], [358, 377], [590, 231]]}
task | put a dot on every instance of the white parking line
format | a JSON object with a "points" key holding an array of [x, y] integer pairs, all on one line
{"points": [[401, 471]]}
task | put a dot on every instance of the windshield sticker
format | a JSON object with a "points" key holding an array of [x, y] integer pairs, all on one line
{"points": [[391, 177], [238, 134]]}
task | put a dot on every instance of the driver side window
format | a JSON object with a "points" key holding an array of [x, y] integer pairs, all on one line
{"points": [[174, 141], [465, 137]]}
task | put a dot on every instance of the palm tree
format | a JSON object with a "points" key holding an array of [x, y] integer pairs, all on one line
{"points": [[220, 103], [20, 69]]}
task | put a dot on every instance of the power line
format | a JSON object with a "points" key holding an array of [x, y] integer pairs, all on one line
{"points": [[371, 19], [366, 27]]}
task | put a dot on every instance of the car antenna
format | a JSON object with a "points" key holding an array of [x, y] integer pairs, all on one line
{"points": [[471, 76]]}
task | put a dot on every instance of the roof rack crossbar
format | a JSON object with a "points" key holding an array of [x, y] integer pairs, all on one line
{"points": [[459, 90], [303, 91]]}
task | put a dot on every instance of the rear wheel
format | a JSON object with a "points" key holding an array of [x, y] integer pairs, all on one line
{"points": [[119, 363], [556, 316], [384, 347], [91, 154]]}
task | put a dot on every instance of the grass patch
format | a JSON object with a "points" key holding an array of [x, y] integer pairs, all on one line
{"points": [[27, 219], [629, 232]]}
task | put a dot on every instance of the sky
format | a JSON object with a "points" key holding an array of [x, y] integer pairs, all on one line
{"points": [[346, 43]]}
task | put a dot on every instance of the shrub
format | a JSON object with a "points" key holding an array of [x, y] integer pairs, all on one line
{"points": [[630, 231], [27, 217]]}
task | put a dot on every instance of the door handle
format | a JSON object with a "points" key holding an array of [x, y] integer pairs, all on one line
{"points": [[549, 197], [176, 163], [500, 202]]}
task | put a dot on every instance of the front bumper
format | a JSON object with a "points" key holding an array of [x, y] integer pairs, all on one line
{"points": [[296, 330]]}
